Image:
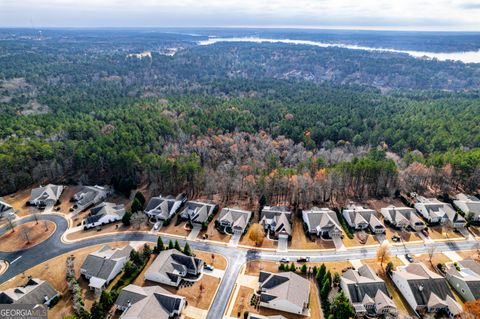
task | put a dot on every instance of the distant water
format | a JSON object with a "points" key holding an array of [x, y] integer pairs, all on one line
{"points": [[466, 57]]}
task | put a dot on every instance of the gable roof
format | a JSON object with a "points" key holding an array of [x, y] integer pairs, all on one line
{"points": [[321, 218], [468, 204], [235, 217], [90, 195], [148, 302], [469, 273], [361, 215], [102, 262], [198, 211], [4, 206], [35, 291], [163, 206], [400, 215], [287, 286], [48, 192], [172, 264], [363, 282], [105, 209]]}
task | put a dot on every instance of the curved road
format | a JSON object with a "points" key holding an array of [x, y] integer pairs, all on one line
{"points": [[23, 260]]}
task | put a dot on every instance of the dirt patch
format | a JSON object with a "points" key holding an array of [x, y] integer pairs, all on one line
{"points": [[179, 230], [267, 243], [219, 262], [301, 241], [438, 232], [27, 235], [371, 240], [214, 234], [54, 271]]}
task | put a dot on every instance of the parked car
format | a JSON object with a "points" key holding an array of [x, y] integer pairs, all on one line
{"points": [[425, 232], [157, 225], [284, 260], [303, 259], [409, 257], [395, 238], [208, 267]]}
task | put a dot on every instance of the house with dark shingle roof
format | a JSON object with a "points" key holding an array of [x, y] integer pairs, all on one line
{"points": [[285, 291], [5, 208], [163, 208], [104, 214], [367, 292], [322, 222], [148, 303], [103, 265], [198, 212], [90, 196], [35, 291], [234, 220], [464, 277], [171, 267], [45, 195], [402, 217], [424, 290], [469, 205], [276, 220], [360, 218]]}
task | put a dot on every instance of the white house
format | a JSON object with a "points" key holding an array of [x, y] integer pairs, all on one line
{"points": [[234, 220], [104, 214], [102, 266], [322, 222], [285, 291], [470, 205], [436, 211], [424, 290], [360, 218], [46, 195], [402, 217]]}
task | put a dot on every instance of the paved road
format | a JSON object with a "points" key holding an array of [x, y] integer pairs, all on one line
{"points": [[52, 247]]}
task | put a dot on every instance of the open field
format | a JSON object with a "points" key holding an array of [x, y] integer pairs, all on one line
{"points": [[27, 235]]}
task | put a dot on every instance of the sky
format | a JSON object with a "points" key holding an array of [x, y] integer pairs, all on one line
{"points": [[445, 15]]}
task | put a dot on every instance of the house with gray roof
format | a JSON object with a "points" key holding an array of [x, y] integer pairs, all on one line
{"points": [[233, 220], [425, 291], [257, 316], [469, 205], [285, 291], [90, 196], [103, 265], [104, 214], [46, 195], [198, 212], [164, 208], [5, 208], [436, 211], [276, 221], [464, 277], [367, 292], [148, 303], [402, 217], [360, 218], [172, 266], [35, 291], [322, 222]]}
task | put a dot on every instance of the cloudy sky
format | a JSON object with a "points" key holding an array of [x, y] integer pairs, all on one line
{"points": [[357, 14]]}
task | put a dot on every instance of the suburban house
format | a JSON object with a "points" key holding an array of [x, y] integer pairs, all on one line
{"points": [[163, 208], [436, 211], [425, 291], [90, 196], [171, 267], [367, 292], [45, 195], [257, 316], [148, 302], [276, 220], [464, 277], [5, 208], [322, 222], [469, 205], [234, 220], [360, 218], [402, 217], [197, 212], [103, 214], [102, 266], [284, 291], [35, 291]]}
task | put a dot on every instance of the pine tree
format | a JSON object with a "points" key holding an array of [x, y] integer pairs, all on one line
{"points": [[304, 269], [325, 289], [292, 267], [340, 307], [186, 250], [160, 246], [321, 273], [170, 244], [177, 246]]}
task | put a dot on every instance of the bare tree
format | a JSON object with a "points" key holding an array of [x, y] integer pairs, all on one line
{"points": [[383, 253], [431, 250], [25, 235]]}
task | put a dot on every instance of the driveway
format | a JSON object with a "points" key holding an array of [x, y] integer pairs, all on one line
{"points": [[381, 238], [194, 232], [235, 239], [282, 244], [338, 242]]}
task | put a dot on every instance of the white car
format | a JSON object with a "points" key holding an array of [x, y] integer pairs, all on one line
{"points": [[284, 260], [157, 225]]}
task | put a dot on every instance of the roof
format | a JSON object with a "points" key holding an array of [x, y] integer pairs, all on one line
{"points": [[258, 316], [361, 215], [90, 195], [363, 282], [468, 204], [469, 273], [321, 218], [105, 209], [148, 302], [102, 262], [4, 206], [163, 207], [48, 192], [400, 215], [198, 211], [424, 282], [433, 208], [173, 264], [235, 217], [286, 285], [33, 292]]}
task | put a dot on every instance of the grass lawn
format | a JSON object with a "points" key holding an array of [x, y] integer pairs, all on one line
{"points": [[436, 232], [219, 262], [214, 234], [179, 230], [301, 241], [36, 233]]}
